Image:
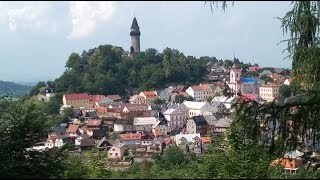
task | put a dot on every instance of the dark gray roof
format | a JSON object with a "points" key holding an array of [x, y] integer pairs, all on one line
{"points": [[85, 136], [76, 112], [135, 28], [199, 120], [135, 24], [92, 114], [59, 129], [119, 121], [105, 143], [87, 142], [99, 133]]}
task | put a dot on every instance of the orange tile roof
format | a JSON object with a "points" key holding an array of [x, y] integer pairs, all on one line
{"points": [[149, 93], [97, 98], [206, 139], [84, 127], [254, 68], [158, 133], [277, 76], [130, 136], [72, 128], [168, 141], [196, 88], [94, 122]]}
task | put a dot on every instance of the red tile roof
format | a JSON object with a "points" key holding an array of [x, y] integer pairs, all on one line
{"points": [[158, 133], [94, 122], [97, 98], [72, 128], [254, 68], [149, 93], [277, 77], [181, 88], [130, 136], [74, 97], [168, 141], [251, 97], [84, 128], [114, 97], [196, 88]]}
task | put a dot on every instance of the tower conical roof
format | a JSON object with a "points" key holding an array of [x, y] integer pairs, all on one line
{"points": [[135, 24], [135, 28]]}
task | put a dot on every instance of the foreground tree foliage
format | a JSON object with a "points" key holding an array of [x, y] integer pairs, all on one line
{"points": [[21, 126]]}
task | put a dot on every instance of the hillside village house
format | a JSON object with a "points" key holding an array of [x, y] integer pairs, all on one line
{"points": [[131, 138], [115, 153], [196, 92], [216, 68], [76, 100], [144, 123], [46, 94], [269, 92], [77, 141], [290, 162], [226, 101], [278, 78], [252, 97], [114, 98], [161, 127], [182, 138], [254, 68], [176, 117], [222, 125], [265, 72], [73, 130], [81, 100], [54, 140], [145, 97], [287, 81], [197, 108], [197, 124], [218, 107]]}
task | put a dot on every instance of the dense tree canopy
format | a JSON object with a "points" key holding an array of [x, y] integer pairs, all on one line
{"points": [[105, 70]]}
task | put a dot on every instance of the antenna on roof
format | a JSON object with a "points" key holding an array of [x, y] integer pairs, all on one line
{"points": [[234, 55]]}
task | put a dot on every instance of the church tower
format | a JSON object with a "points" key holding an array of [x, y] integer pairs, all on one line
{"points": [[235, 74], [135, 36]]}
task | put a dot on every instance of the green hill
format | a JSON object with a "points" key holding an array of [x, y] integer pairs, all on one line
{"points": [[18, 90]]}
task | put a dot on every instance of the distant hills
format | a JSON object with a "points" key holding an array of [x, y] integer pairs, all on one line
{"points": [[18, 90]]}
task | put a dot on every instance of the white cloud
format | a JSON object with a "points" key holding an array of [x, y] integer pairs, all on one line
{"points": [[31, 16], [86, 16]]}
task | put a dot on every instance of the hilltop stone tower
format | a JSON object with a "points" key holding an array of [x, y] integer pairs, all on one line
{"points": [[135, 36]]}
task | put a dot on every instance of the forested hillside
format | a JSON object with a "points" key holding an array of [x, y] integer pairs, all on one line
{"points": [[105, 70], [17, 90]]}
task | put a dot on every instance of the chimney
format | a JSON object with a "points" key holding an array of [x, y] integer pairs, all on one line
{"points": [[131, 134]]}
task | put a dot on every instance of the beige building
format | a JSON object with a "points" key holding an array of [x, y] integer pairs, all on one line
{"points": [[115, 153], [269, 92], [145, 97], [76, 100]]}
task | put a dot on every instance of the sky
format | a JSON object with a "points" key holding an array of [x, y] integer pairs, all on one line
{"points": [[38, 37]]}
